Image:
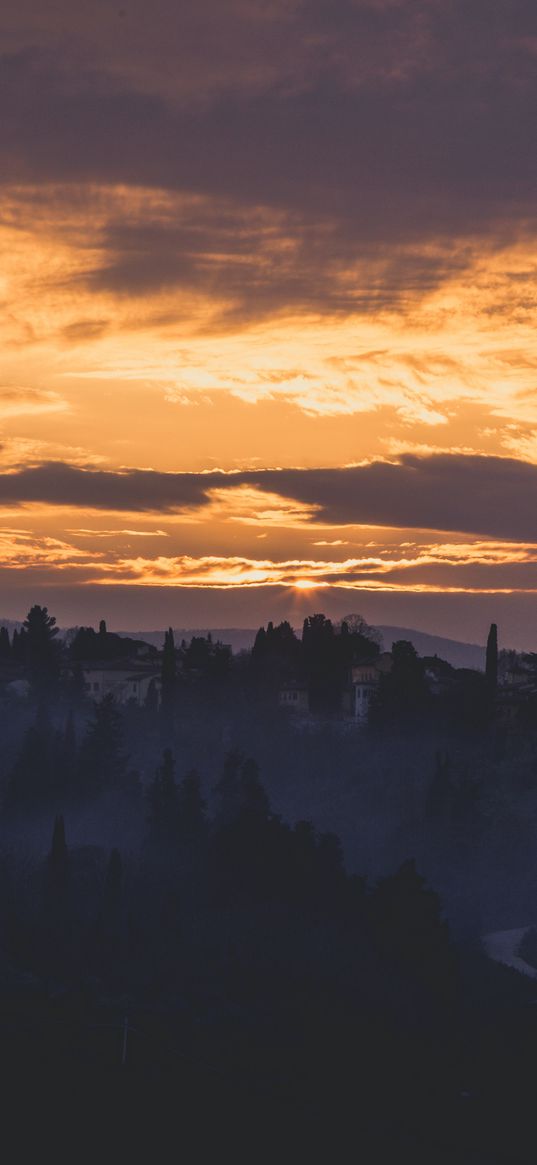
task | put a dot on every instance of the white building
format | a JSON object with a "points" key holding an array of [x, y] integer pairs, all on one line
{"points": [[365, 679], [122, 682]]}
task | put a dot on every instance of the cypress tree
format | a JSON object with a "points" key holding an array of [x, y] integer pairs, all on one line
{"points": [[162, 798], [5, 646], [191, 807], [169, 683], [491, 665]]}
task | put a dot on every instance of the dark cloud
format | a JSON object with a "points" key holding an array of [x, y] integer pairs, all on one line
{"points": [[369, 125], [482, 495], [368, 155], [258, 264], [403, 117], [56, 483], [494, 497]]}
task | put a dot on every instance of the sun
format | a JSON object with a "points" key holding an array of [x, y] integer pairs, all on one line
{"points": [[305, 584]]}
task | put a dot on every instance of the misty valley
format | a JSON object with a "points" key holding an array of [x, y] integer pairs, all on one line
{"points": [[290, 885]]}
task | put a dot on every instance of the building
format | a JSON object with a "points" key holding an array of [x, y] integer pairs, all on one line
{"points": [[125, 682], [294, 697], [365, 679]]}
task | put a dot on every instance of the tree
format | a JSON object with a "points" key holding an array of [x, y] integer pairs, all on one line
{"points": [[162, 798], [35, 778], [76, 685], [110, 930], [169, 683], [104, 764], [209, 660], [5, 646], [56, 915], [407, 923], [321, 662], [67, 756], [239, 790], [191, 807], [276, 655], [17, 646], [491, 665], [402, 697], [356, 625], [42, 652]]}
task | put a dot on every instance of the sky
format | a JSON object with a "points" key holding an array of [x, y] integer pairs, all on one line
{"points": [[268, 306]]}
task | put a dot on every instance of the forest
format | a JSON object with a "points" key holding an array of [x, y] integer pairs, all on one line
{"points": [[273, 917]]}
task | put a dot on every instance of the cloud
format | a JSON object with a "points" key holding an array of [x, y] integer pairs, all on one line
{"points": [[458, 568], [195, 295], [491, 496], [16, 401], [117, 533], [22, 549], [401, 121]]}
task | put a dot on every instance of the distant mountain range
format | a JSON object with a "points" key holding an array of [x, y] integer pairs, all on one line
{"points": [[456, 653], [241, 639]]}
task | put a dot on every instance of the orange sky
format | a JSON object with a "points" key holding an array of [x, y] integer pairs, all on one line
{"points": [[231, 243]]}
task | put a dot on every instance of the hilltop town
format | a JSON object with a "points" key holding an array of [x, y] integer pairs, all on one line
{"points": [[337, 672]]}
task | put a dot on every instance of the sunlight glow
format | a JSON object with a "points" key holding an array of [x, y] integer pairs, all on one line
{"points": [[307, 584]]}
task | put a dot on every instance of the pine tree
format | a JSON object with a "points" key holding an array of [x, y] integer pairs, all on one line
{"points": [[41, 651], [104, 764]]}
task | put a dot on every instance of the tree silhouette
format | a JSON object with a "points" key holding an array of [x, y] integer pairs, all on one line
{"points": [[491, 664], [408, 926], [402, 699], [35, 778], [162, 799], [191, 807], [5, 646], [239, 790], [321, 664], [104, 764], [41, 651], [169, 684]]}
